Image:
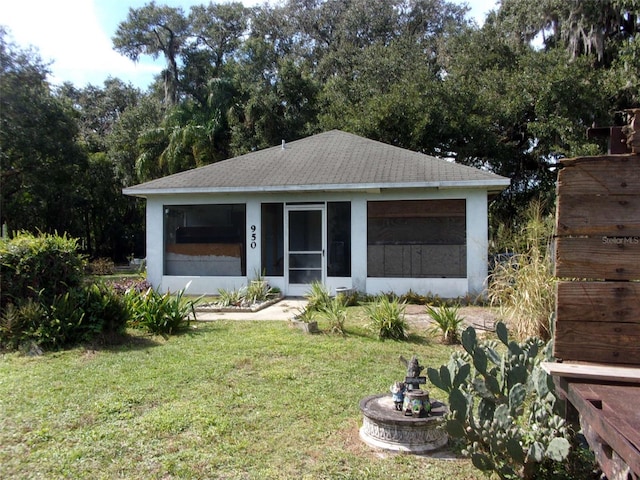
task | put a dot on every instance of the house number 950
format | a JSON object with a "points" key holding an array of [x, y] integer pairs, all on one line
{"points": [[254, 236]]}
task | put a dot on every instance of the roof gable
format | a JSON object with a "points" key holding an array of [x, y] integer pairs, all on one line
{"points": [[332, 160]]}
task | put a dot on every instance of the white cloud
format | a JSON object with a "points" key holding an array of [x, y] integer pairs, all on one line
{"points": [[68, 33]]}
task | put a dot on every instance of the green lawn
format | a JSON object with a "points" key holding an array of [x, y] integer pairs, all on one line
{"points": [[233, 400]]}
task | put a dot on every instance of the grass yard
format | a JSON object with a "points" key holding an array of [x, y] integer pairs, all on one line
{"points": [[232, 400]]}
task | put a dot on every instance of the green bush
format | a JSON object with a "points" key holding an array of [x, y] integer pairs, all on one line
{"points": [[387, 318], [447, 322], [160, 314], [18, 322], [106, 311], [38, 267], [318, 297], [336, 313], [79, 315], [101, 266]]}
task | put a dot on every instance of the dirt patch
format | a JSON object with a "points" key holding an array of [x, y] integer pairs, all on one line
{"points": [[481, 318]]}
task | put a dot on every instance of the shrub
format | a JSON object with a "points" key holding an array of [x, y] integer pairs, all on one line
{"points": [[105, 309], [522, 285], [18, 321], [72, 317], [161, 314], [258, 291], [228, 298], [101, 266], [447, 322], [336, 313], [503, 408], [387, 318], [318, 297], [38, 267]]}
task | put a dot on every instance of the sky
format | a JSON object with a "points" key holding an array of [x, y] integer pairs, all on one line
{"points": [[75, 36]]}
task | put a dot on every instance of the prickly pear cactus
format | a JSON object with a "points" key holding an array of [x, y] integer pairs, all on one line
{"points": [[504, 411]]}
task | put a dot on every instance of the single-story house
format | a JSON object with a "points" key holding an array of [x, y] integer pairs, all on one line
{"points": [[334, 207]]}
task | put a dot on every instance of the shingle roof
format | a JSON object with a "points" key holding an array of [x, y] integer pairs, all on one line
{"points": [[333, 160]]}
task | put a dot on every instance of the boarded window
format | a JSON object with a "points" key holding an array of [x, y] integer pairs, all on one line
{"points": [[204, 240], [417, 239]]}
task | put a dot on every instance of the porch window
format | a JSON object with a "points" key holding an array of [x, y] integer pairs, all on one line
{"points": [[339, 239], [273, 239], [417, 239], [205, 240]]}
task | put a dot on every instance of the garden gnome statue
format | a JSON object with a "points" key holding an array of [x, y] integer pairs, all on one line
{"points": [[397, 393]]}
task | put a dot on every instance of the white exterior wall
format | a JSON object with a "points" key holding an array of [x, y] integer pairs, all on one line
{"points": [[477, 242]]}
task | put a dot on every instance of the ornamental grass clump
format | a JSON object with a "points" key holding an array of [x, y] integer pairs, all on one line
{"points": [[447, 323], [522, 286], [336, 313], [318, 297], [387, 319], [161, 314]]}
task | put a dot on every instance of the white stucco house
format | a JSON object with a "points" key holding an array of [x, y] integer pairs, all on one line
{"points": [[334, 207]]}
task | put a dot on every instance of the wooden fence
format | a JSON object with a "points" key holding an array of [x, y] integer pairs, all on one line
{"points": [[597, 324]]}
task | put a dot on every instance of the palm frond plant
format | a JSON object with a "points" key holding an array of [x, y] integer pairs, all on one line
{"points": [[387, 318], [230, 298], [447, 322], [318, 297], [336, 313]]}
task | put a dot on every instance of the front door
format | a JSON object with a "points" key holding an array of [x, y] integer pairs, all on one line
{"points": [[305, 247]]}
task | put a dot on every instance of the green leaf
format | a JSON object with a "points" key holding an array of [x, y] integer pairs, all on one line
{"points": [[486, 409], [515, 349], [434, 378], [462, 375], [515, 450], [501, 416], [480, 360], [536, 451], [494, 356], [445, 376], [517, 374], [558, 449], [481, 389], [542, 382], [502, 333], [469, 341], [517, 394], [492, 384], [482, 462], [458, 404], [455, 428]]}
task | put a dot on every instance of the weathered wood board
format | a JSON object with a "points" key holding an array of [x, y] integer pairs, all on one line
{"points": [[592, 215], [593, 371], [600, 342], [598, 256], [606, 175], [608, 258], [598, 302], [611, 412]]}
